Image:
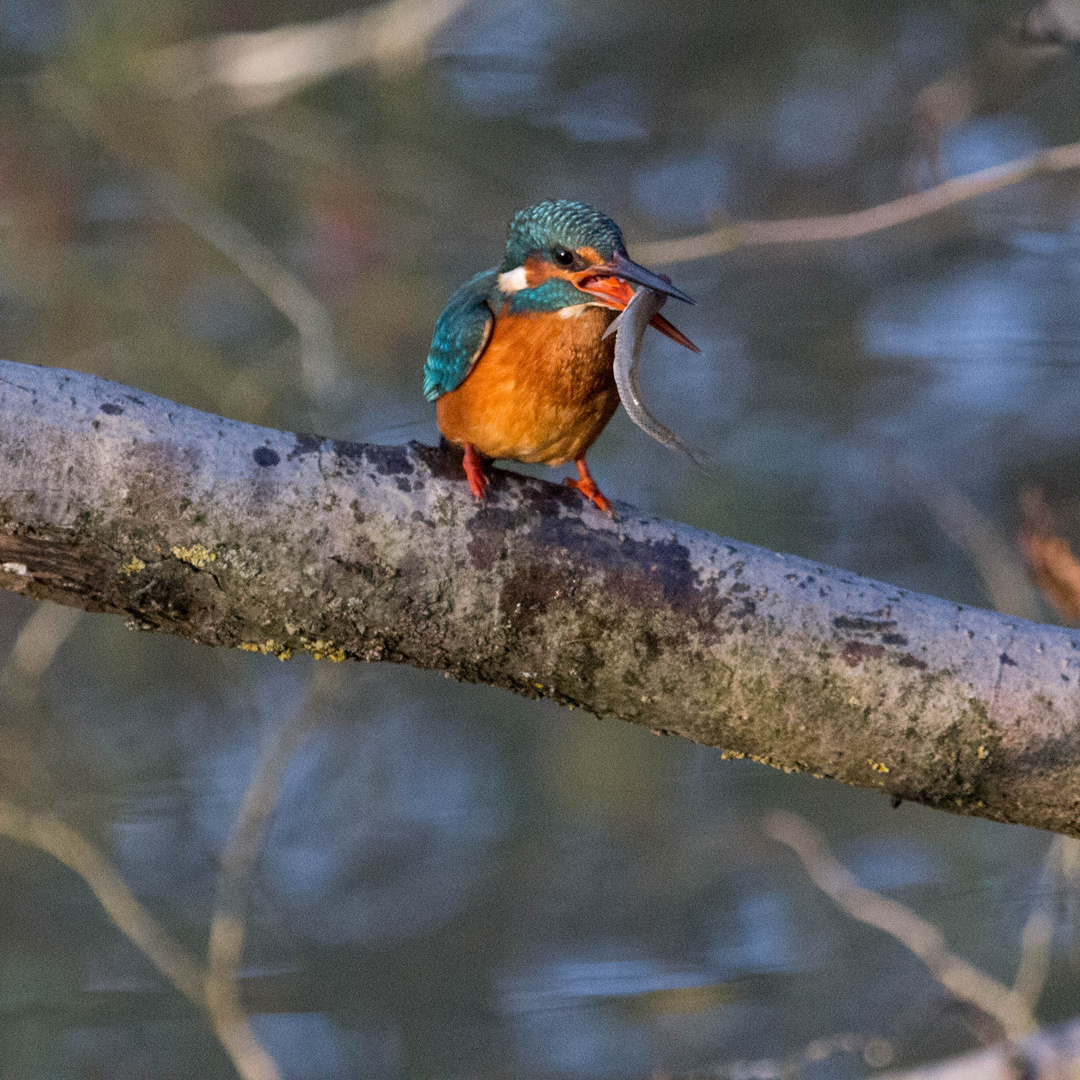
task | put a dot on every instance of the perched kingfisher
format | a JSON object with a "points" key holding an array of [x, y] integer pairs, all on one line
{"points": [[519, 366]]}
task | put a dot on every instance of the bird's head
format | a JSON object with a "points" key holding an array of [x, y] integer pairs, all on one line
{"points": [[561, 254]]}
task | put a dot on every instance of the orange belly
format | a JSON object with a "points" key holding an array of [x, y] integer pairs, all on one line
{"points": [[542, 391]]}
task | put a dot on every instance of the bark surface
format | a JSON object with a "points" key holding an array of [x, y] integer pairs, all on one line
{"points": [[228, 534]]}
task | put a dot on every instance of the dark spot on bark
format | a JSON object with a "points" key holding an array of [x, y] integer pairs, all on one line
{"points": [[403, 484], [908, 660], [1007, 660], [349, 450], [748, 608], [444, 461], [895, 801], [304, 445], [855, 652], [654, 645], [487, 537], [265, 457], [893, 639], [629, 564], [849, 622], [740, 587], [389, 460], [528, 593], [136, 400], [112, 410]]}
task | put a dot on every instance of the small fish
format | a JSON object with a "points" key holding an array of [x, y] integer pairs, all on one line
{"points": [[629, 327]]}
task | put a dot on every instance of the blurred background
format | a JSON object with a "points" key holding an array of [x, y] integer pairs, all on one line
{"points": [[457, 883]]}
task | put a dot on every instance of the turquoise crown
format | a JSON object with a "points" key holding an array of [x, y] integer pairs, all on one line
{"points": [[560, 223]]}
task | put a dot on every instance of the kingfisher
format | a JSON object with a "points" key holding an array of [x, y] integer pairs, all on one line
{"points": [[519, 366]]}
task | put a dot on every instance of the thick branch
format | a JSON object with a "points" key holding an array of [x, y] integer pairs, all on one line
{"points": [[228, 534]]}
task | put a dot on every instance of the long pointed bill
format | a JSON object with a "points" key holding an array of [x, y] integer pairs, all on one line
{"points": [[610, 285], [622, 266]]}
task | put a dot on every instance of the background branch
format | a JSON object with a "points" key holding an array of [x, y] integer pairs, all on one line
{"points": [[227, 928], [216, 991], [262, 68], [1028, 1051], [1010, 1008], [292, 298], [861, 222]]}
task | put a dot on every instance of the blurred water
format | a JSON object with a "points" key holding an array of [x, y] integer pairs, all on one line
{"points": [[458, 883]]}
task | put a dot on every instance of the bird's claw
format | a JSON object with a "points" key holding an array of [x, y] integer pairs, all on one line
{"points": [[587, 487]]}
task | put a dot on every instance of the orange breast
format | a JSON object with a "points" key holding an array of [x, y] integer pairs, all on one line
{"points": [[542, 391]]}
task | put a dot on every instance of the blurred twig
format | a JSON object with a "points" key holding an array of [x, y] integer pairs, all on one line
{"points": [[39, 639], [215, 990], [1049, 1054], [78, 854], [292, 298], [960, 520], [1002, 70], [261, 68], [1049, 556], [24, 771], [861, 222], [1055, 22], [1008, 1007], [306, 313], [34, 649], [227, 928], [873, 1049], [1038, 931]]}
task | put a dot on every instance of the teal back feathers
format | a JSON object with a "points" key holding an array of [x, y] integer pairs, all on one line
{"points": [[461, 332]]}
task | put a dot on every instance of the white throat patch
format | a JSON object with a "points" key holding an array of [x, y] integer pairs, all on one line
{"points": [[513, 280]]}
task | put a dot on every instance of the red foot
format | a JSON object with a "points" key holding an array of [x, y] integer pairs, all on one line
{"points": [[474, 470], [587, 486]]}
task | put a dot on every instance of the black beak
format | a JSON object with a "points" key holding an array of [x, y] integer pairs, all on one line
{"points": [[622, 266]]}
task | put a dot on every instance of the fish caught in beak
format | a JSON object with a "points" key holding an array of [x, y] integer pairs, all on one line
{"points": [[610, 284]]}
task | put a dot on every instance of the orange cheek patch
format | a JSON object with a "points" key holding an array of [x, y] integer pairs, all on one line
{"points": [[537, 271]]}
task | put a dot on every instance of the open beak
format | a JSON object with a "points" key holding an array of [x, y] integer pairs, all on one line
{"points": [[610, 284]]}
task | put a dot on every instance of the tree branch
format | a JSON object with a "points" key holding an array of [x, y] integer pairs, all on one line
{"points": [[1010, 1009], [861, 222], [228, 534], [229, 924], [263, 67]]}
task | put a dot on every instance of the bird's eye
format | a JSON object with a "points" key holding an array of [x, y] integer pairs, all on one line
{"points": [[562, 256]]}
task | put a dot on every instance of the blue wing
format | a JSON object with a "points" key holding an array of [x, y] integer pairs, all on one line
{"points": [[461, 332]]}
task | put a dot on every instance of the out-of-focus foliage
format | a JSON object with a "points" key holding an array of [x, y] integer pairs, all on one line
{"points": [[457, 882]]}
